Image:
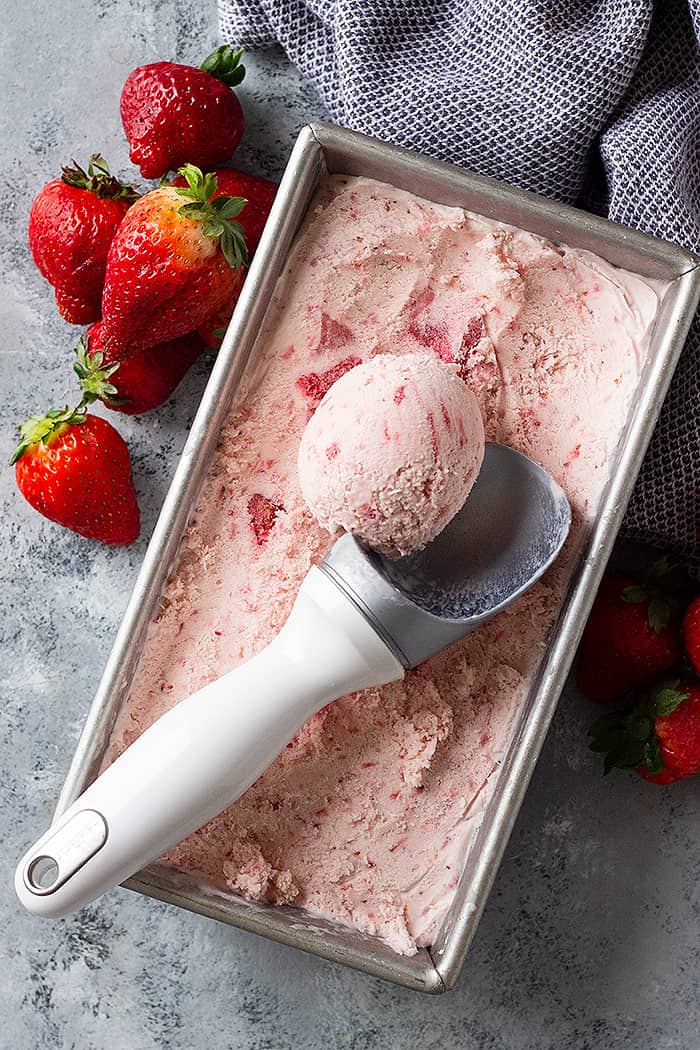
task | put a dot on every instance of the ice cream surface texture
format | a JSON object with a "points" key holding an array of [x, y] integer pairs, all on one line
{"points": [[392, 451], [366, 818]]}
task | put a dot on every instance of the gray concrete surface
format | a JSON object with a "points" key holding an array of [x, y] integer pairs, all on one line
{"points": [[590, 938]]}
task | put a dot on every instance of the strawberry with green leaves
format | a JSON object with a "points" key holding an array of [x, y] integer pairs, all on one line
{"points": [[259, 194], [632, 635], [173, 113], [257, 191], [72, 224], [138, 382], [659, 737], [176, 261], [75, 469]]}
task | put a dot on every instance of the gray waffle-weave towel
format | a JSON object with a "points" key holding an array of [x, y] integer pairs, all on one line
{"points": [[592, 102]]}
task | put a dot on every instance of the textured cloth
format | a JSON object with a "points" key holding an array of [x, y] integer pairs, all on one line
{"points": [[592, 102]]}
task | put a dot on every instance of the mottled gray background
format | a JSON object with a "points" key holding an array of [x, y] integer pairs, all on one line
{"points": [[590, 938]]}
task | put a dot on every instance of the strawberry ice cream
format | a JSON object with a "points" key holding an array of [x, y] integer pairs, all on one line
{"points": [[391, 452], [367, 816]]}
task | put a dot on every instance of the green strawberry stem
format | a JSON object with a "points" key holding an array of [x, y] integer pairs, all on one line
{"points": [[94, 378], [216, 216], [98, 180], [43, 428], [656, 590], [224, 64], [628, 738], [94, 375]]}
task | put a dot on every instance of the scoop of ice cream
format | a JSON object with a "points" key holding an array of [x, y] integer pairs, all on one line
{"points": [[392, 451]]}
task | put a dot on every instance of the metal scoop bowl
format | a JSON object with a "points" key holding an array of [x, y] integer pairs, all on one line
{"points": [[504, 538], [359, 620]]}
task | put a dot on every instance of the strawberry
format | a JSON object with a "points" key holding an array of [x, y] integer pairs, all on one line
{"points": [[631, 636], [691, 633], [174, 263], [141, 380], [72, 223], [214, 329], [263, 513], [259, 193], [75, 469], [659, 737], [175, 114]]}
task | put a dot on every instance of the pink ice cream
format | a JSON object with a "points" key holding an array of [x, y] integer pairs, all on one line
{"points": [[366, 818], [392, 451]]}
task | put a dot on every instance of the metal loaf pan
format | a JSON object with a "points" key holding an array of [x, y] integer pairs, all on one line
{"points": [[320, 149]]}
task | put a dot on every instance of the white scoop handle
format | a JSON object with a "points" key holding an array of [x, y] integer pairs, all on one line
{"points": [[204, 753]]}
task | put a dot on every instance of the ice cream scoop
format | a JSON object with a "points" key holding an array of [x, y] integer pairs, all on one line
{"points": [[359, 620], [392, 451]]}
